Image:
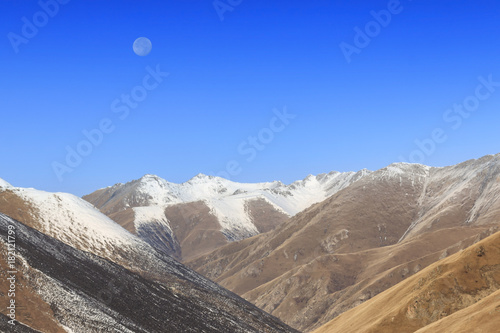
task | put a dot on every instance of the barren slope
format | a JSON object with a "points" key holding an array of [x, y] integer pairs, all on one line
{"points": [[444, 288]]}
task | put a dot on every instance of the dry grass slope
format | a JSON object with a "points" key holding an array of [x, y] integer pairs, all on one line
{"points": [[462, 289]]}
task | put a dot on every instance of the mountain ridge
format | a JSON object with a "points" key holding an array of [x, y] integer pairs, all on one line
{"points": [[224, 210]]}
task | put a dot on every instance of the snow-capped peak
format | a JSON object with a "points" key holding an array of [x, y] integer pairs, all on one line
{"points": [[202, 177], [4, 184], [229, 200], [149, 177], [402, 168]]}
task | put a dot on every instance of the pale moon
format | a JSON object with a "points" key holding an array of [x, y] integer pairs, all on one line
{"points": [[142, 46]]}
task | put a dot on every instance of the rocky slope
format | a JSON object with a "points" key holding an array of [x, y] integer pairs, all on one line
{"points": [[456, 294], [206, 212], [364, 239], [61, 289]]}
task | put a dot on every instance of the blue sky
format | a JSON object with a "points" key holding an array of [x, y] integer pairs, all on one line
{"points": [[215, 112]]}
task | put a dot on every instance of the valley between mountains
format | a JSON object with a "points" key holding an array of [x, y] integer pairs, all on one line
{"points": [[407, 248]]}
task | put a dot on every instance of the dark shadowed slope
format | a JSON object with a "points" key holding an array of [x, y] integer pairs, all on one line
{"points": [[61, 287]]}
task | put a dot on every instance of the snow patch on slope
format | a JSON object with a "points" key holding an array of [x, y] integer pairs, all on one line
{"points": [[64, 215], [148, 214], [233, 218], [301, 194]]}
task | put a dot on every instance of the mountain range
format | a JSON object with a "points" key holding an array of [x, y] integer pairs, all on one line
{"points": [[196, 217], [402, 249]]}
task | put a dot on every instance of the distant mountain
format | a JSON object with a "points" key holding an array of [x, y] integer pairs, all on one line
{"points": [[79, 271], [458, 294], [367, 237], [189, 219]]}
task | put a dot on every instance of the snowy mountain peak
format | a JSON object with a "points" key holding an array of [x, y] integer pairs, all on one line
{"points": [[4, 184], [401, 168], [309, 177], [202, 176], [409, 166], [149, 177], [326, 176], [277, 183], [234, 205]]}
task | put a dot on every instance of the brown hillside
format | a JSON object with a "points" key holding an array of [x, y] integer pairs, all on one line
{"points": [[16, 207], [196, 229], [442, 289]]}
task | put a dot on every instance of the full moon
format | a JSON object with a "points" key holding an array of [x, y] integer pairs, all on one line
{"points": [[142, 46]]}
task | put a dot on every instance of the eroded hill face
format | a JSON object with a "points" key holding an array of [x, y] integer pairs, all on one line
{"points": [[361, 241], [457, 294], [60, 289]]}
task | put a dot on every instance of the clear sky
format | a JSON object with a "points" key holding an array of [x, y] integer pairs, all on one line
{"points": [[356, 84]]}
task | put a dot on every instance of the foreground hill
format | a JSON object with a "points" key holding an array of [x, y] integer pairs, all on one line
{"points": [[362, 240], [61, 289], [456, 294], [206, 212], [80, 271], [77, 223]]}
